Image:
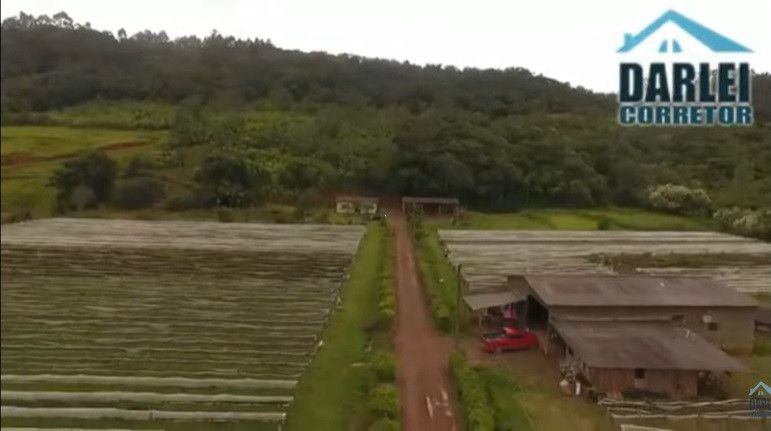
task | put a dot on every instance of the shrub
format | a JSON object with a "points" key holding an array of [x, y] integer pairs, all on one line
{"points": [[384, 366], [139, 192], [384, 424], [604, 223], [322, 216], [387, 304], [225, 215], [231, 180], [81, 197], [679, 199], [473, 395], [299, 213], [383, 400], [747, 222], [85, 181], [184, 202], [442, 314], [139, 166]]}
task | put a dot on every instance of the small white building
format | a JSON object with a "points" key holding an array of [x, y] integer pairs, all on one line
{"points": [[356, 205]]}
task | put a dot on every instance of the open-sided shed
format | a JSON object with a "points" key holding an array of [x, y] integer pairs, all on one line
{"points": [[498, 303], [434, 206]]}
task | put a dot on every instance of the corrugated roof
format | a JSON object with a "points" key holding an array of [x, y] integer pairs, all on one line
{"points": [[430, 200], [634, 290], [652, 345], [631, 427], [346, 198], [481, 300]]}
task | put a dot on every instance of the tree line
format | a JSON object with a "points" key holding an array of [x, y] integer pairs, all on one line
{"points": [[497, 139]]}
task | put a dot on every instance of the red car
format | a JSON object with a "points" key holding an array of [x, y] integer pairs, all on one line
{"points": [[509, 338]]}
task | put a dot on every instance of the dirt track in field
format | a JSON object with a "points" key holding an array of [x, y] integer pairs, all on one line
{"points": [[25, 158], [423, 375]]}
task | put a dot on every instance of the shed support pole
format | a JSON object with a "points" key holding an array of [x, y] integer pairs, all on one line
{"points": [[548, 339]]}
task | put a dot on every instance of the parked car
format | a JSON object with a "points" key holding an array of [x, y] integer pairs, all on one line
{"points": [[509, 338]]}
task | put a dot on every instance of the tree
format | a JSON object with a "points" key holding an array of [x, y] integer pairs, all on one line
{"points": [[138, 192], [88, 179], [139, 185], [231, 181], [679, 199]]}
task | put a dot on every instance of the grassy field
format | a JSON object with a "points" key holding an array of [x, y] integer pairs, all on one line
{"points": [[759, 364], [525, 395], [30, 154], [503, 390], [575, 219], [332, 394], [30, 144]]}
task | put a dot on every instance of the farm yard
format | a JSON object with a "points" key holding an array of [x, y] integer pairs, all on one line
{"points": [[173, 325], [488, 256]]}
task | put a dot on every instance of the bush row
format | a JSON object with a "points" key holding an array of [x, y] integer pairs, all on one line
{"points": [[386, 295], [383, 399], [746, 222], [473, 396], [438, 285]]}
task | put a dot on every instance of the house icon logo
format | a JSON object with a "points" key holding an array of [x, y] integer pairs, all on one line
{"points": [[707, 81], [711, 39], [759, 400]]}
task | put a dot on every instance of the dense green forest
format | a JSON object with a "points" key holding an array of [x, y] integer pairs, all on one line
{"points": [[255, 122]]}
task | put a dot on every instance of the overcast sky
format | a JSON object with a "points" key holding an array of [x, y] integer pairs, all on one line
{"points": [[569, 40]]}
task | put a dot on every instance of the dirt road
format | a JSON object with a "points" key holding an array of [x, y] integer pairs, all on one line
{"points": [[426, 391]]}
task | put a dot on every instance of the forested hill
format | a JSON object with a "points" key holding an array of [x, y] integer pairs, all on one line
{"points": [[495, 138], [52, 62]]}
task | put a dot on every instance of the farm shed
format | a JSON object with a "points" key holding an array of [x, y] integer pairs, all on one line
{"points": [[432, 206], [717, 312], [619, 357], [493, 305], [356, 205], [763, 319]]}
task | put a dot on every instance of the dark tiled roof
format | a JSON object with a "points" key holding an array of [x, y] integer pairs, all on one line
{"points": [[634, 290], [491, 298], [363, 199], [652, 345], [430, 200]]}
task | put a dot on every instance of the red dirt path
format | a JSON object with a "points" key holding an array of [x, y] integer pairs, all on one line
{"points": [[23, 158], [422, 355]]}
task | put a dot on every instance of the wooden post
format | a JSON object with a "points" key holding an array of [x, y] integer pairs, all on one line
{"points": [[548, 339], [459, 289]]}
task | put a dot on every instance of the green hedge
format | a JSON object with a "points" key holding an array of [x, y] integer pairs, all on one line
{"points": [[439, 279], [383, 401], [387, 296], [385, 424], [473, 396], [384, 366]]}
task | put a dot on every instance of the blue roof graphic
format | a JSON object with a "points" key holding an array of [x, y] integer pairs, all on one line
{"points": [[711, 39], [761, 386]]}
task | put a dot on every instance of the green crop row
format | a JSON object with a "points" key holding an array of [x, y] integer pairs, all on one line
{"points": [[472, 393]]}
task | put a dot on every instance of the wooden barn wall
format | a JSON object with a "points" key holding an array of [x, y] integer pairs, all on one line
{"points": [[677, 384], [735, 331]]}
